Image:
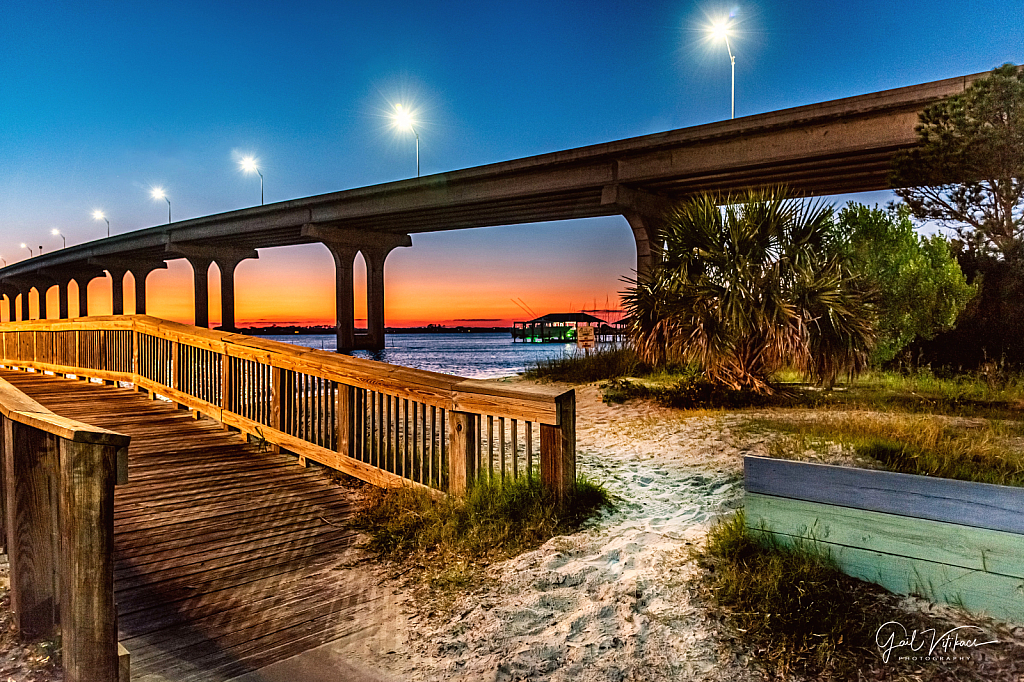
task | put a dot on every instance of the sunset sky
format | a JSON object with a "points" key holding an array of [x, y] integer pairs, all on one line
{"points": [[100, 102]]}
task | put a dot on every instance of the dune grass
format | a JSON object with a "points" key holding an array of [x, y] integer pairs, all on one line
{"points": [[983, 451], [608, 362], [791, 603], [450, 539], [799, 614]]}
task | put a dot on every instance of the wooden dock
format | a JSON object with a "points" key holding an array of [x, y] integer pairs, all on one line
{"points": [[228, 557]]}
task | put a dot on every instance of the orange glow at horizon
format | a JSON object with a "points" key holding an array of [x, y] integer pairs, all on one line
{"points": [[468, 278]]}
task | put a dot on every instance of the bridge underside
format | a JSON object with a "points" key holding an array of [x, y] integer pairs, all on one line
{"points": [[228, 558]]}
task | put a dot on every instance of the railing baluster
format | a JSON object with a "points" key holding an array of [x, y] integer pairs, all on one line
{"points": [[490, 447], [501, 445], [515, 450], [529, 451]]}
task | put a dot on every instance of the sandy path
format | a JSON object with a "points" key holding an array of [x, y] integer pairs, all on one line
{"points": [[609, 602]]}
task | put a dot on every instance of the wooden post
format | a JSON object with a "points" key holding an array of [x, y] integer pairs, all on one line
{"points": [[226, 388], [558, 449], [461, 457], [30, 466], [135, 357], [88, 620], [276, 402], [344, 414], [3, 487]]}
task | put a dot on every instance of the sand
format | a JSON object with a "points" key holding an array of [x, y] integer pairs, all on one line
{"points": [[610, 602]]}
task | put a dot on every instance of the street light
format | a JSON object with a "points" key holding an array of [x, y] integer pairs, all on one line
{"points": [[98, 215], [4, 260], [56, 233], [248, 165], [158, 193], [721, 29], [403, 120], [26, 246]]}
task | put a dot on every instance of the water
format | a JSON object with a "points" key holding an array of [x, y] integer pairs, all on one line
{"points": [[475, 356]]}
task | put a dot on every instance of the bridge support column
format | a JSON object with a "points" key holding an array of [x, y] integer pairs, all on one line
{"points": [[375, 295], [62, 299], [227, 265], [201, 289], [644, 212], [140, 271], [11, 293], [344, 302], [227, 259], [83, 278], [24, 304], [83, 295], [117, 289], [343, 245], [41, 290]]}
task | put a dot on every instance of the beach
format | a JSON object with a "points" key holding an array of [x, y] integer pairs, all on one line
{"points": [[611, 602]]}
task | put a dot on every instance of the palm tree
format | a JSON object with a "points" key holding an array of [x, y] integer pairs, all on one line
{"points": [[748, 285]]}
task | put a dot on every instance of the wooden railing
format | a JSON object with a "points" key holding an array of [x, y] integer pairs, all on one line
{"points": [[388, 425], [57, 481]]}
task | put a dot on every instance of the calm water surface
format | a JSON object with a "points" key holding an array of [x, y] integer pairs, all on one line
{"points": [[476, 356]]}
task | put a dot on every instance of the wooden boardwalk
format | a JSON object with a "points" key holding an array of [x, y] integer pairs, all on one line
{"points": [[228, 558]]}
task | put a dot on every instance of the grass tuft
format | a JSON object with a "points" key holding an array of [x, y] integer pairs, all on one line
{"points": [[583, 368], [791, 603], [452, 538], [686, 389]]}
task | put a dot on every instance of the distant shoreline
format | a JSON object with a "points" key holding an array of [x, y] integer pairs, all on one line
{"points": [[322, 329]]}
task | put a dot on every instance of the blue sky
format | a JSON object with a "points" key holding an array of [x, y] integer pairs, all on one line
{"points": [[101, 101]]}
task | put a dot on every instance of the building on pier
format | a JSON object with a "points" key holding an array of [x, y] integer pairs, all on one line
{"points": [[562, 328]]}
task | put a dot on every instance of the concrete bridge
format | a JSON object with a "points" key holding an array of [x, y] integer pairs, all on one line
{"points": [[833, 147]]}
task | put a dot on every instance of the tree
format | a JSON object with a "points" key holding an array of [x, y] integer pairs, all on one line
{"points": [[920, 287], [968, 170], [750, 288]]}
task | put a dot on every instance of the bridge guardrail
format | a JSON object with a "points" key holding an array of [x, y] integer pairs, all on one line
{"points": [[385, 424], [57, 478]]}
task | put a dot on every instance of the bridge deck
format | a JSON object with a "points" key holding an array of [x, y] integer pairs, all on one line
{"points": [[227, 558]]}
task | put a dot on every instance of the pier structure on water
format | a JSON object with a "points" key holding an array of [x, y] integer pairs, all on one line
{"points": [[563, 328]]}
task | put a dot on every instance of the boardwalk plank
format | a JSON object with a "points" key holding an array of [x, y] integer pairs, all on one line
{"points": [[228, 558]]}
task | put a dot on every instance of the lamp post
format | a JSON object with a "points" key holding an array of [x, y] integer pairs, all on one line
{"points": [[98, 215], [158, 193], [26, 246], [403, 119], [56, 233], [721, 29], [4, 260], [248, 165]]}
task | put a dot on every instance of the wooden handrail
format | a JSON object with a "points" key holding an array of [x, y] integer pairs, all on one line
{"points": [[57, 478], [383, 423]]}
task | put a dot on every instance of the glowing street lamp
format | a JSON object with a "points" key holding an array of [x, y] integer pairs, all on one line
{"points": [[403, 120], [248, 165], [98, 215], [26, 246], [721, 29], [56, 233], [158, 193]]}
